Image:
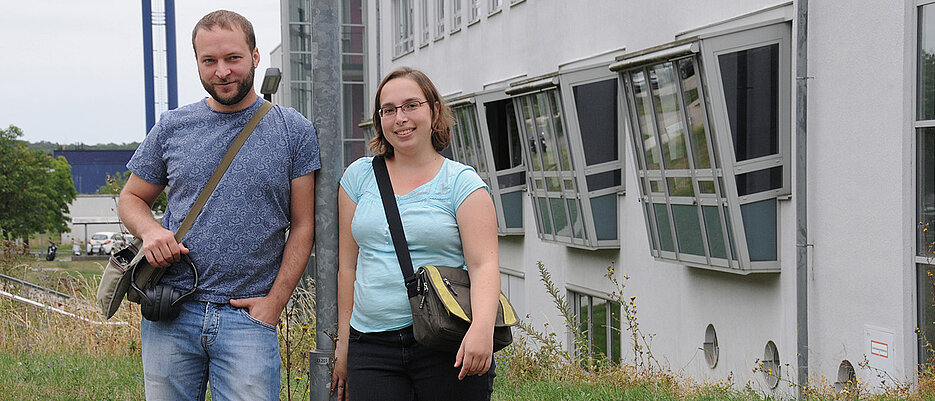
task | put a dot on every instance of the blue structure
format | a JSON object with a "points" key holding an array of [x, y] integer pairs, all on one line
{"points": [[165, 19], [89, 168]]}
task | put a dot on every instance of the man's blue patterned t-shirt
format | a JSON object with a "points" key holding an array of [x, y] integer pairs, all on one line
{"points": [[237, 241]]}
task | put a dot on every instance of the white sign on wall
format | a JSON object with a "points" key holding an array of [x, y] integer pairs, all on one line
{"points": [[879, 351]]}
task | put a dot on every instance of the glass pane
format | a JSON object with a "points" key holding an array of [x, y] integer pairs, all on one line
{"points": [[730, 237], [352, 12], [352, 39], [603, 180], [545, 216], [584, 317], [599, 332], [680, 186], [512, 209], [759, 181], [569, 185], [641, 100], [751, 91], [353, 110], [759, 223], [696, 115], [706, 187], [662, 225], [926, 193], [518, 295], [300, 11], [926, 283], [302, 98], [604, 209], [615, 342], [299, 38], [553, 184], [712, 223], [652, 227], [545, 133], [352, 68], [560, 217], [532, 137], [669, 116], [596, 105], [655, 186], [688, 229], [926, 50], [577, 223], [504, 134], [470, 119], [300, 66]]}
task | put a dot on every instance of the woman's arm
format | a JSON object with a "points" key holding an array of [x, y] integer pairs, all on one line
{"points": [[347, 273], [477, 222]]}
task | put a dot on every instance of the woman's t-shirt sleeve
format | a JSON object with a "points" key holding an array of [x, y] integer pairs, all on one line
{"points": [[353, 179], [466, 181]]}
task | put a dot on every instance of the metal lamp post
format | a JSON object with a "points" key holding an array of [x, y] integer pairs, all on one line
{"points": [[270, 83]]}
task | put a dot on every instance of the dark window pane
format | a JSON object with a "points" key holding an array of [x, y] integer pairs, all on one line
{"points": [[926, 190], [352, 68], [352, 39], [751, 91], [926, 54], [662, 225], [299, 11], [352, 12], [604, 209], [511, 180], [926, 284], [513, 209], [504, 135], [603, 180], [712, 224], [353, 110], [560, 217], [652, 228], [759, 223], [688, 229], [596, 105], [759, 181]]}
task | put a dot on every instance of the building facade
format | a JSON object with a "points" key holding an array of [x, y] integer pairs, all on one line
{"points": [[684, 145]]}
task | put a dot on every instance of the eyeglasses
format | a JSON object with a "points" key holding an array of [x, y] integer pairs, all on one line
{"points": [[408, 107]]}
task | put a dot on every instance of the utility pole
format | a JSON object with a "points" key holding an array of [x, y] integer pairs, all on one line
{"points": [[326, 109]]}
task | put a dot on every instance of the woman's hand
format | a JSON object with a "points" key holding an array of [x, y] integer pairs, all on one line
{"points": [[339, 376], [476, 351]]}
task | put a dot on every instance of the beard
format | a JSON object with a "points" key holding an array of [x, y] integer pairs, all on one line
{"points": [[243, 88]]}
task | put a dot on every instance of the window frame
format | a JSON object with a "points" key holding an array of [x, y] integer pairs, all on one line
{"points": [[457, 15], [575, 303], [403, 28], [481, 100]]}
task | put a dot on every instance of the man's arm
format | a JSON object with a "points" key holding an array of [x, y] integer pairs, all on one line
{"points": [[294, 257], [135, 210]]}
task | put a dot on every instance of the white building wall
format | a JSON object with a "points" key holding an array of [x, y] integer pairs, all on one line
{"points": [[860, 181], [97, 207]]}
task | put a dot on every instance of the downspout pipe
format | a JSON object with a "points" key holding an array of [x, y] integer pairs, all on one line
{"points": [[801, 194]]}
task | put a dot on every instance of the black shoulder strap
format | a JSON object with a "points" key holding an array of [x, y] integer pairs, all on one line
{"points": [[395, 223]]}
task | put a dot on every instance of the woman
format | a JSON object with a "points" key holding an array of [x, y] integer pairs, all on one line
{"points": [[449, 220]]}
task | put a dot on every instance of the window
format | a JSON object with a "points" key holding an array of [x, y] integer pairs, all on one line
{"points": [[455, 15], [925, 177], [711, 134], [426, 25], [402, 27], [475, 11], [512, 286], [486, 136], [439, 19], [493, 6], [598, 323], [570, 129], [353, 85]]}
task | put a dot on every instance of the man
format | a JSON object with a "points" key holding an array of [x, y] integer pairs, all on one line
{"points": [[226, 332]]}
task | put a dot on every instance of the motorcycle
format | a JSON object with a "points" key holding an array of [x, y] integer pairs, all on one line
{"points": [[50, 256]]}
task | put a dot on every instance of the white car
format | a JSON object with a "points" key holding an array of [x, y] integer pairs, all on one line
{"points": [[105, 243]]}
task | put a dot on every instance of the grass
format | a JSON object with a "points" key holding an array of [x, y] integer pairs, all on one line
{"points": [[79, 376]]}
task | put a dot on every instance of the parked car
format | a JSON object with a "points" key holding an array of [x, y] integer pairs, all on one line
{"points": [[105, 243]]}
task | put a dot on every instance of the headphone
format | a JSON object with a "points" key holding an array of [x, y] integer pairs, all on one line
{"points": [[162, 302]]}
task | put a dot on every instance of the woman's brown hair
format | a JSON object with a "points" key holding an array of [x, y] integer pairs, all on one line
{"points": [[441, 120]]}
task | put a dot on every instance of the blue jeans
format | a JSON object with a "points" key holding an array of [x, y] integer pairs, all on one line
{"points": [[214, 343], [392, 366]]}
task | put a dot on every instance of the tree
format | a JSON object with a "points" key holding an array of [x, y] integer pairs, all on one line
{"points": [[35, 188], [116, 182]]}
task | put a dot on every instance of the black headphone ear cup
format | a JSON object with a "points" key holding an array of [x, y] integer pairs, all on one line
{"points": [[150, 303], [170, 311]]}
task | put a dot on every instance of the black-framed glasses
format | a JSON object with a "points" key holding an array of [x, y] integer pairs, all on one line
{"points": [[408, 107]]}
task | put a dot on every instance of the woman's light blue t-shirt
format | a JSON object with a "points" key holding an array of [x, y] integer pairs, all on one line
{"points": [[429, 220]]}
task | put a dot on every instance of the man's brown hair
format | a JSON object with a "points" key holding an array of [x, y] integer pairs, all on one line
{"points": [[226, 20]]}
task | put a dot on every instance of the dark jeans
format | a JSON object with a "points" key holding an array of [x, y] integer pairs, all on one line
{"points": [[391, 365]]}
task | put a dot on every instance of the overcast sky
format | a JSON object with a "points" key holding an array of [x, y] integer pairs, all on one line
{"points": [[72, 71]]}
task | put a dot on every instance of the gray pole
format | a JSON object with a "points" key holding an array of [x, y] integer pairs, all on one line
{"points": [[326, 109], [801, 194]]}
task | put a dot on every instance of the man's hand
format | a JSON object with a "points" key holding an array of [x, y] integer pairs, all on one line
{"points": [[263, 309], [476, 352], [160, 247]]}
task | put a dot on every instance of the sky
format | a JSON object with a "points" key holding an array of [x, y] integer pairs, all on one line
{"points": [[72, 71]]}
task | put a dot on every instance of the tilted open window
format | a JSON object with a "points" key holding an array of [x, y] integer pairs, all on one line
{"points": [[710, 120]]}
